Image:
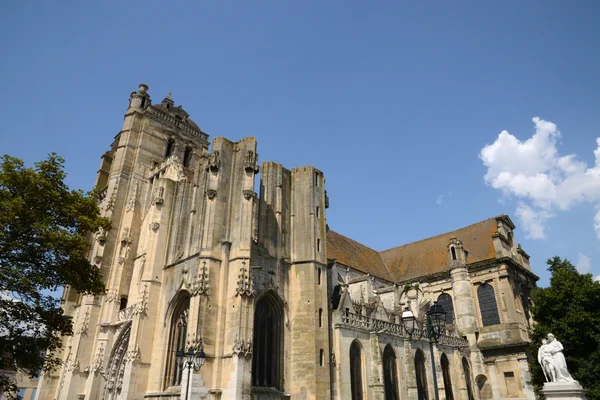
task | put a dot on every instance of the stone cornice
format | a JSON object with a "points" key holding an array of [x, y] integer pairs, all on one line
{"points": [[182, 126]]}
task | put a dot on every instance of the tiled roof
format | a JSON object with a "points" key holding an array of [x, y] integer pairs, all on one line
{"points": [[353, 254], [430, 256], [413, 260]]}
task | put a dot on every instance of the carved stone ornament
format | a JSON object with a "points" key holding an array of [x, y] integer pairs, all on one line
{"points": [[126, 236], [250, 162], [101, 236], [110, 204], [73, 366], [200, 284], [141, 307], [98, 358], [242, 347], [115, 368], [83, 322], [249, 194], [214, 161], [132, 356], [132, 198], [154, 226], [158, 196], [126, 314], [111, 296], [211, 193], [244, 282]]}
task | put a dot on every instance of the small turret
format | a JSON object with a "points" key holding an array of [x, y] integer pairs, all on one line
{"points": [[457, 256], [168, 102], [461, 286], [140, 99]]}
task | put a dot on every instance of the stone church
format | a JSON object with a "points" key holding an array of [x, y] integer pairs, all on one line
{"points": [[282, 306]]}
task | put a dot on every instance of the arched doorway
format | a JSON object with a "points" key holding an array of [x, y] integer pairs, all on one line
{"points": [[390, 373], [115, 368], [484, 388], [356, 371], [446, 375], [267, 354], [467, 372], [421, 376]]}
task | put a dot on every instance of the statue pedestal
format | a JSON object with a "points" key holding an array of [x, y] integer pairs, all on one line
{"points": [[563, 391]]}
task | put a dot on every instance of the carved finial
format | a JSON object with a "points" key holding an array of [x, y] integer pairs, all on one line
{"points": [[169, 95]]}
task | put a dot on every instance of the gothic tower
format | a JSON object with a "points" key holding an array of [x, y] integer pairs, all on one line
{"points": [[195, 258], [149, 182]]}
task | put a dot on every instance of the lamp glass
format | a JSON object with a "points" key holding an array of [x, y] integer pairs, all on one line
{"points": [[408, 320], [437, 318], [179, 356], [200, 358], [189, 356]]}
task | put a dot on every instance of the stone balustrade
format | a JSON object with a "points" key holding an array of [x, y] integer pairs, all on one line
{"points": [[354, 320]]}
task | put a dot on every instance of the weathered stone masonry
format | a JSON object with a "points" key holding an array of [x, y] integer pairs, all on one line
{"points": [[282, 306]]}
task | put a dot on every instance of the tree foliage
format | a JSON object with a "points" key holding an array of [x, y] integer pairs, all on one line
{"points": [[570, 309], [43, 246]]}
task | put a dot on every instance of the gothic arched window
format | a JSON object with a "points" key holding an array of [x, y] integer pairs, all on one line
{"points": [[115, 368], [446, 375], [356, 371], [267, 356], [421, 375], [390, 373], [170, 147], [487, 305], [177, 338], [445, 300], [467, 372]]}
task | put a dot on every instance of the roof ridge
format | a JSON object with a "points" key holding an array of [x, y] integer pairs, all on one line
{"points": [[440, 234]]}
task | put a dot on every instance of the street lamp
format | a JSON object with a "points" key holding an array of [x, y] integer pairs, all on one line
{"points": [[191, 359], [436, 321]]}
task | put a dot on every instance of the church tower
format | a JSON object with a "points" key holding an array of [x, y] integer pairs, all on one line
{"points": [[195, 258], [149, 181]]}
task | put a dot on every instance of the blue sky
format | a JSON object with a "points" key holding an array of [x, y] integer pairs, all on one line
{"points": [[394, 101]]}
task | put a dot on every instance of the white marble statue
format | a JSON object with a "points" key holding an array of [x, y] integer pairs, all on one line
{"points": [[553, 361], [545, 360]]}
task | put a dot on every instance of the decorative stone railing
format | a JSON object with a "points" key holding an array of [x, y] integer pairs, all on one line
{"points": [[372, 324], [453, 341], [351, 319], [177, 123]]}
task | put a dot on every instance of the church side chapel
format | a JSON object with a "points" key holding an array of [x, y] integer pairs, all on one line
{"points": [[215, 291]]}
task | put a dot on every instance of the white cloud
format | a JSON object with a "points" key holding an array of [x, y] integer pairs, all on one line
{"points": [[597, 225], [440, 199], [533, 220], [584, 264], [597, 278], [544, 181]]}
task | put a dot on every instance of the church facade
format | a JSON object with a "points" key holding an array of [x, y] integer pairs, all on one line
{"points": [[282, 306]]}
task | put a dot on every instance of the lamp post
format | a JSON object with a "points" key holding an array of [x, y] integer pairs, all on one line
{"points": [[436, 321], [191, 359]]}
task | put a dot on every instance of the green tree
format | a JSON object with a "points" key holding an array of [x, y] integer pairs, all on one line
{"points": [[570, 309], [44, 245]]}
